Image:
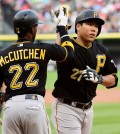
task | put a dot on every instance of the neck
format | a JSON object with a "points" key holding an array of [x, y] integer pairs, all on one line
{"points": [[27, 37], [83, 43], [23, 39]]}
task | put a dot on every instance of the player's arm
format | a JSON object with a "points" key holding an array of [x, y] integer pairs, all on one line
{"points": [[109, 74], [58, 41], [2, 95], [61, 18], [1, 104], [63, 39], [1, 88], [108, 81]]}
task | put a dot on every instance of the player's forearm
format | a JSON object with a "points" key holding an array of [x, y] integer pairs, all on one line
{"points": [[108, 80], [64, 37], [58, 41]]}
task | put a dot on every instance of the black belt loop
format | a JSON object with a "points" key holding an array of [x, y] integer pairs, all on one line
{"points": [[83, 106], [31, 96]]}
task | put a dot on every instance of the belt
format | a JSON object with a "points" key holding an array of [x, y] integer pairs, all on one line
{"points": [[26, 97], [31, 96], [83, 106]]}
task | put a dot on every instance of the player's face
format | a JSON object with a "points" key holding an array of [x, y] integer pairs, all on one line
{"points": [[87, 31]]}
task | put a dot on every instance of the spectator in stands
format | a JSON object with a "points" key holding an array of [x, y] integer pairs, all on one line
{"points": [[109, 10]]}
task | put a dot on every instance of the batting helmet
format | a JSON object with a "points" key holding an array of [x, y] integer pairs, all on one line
{"points": [[24, 20], [88, 15]]}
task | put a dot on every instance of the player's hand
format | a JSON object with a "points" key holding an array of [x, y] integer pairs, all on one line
{"points": [[60, 16], [91, 75]]}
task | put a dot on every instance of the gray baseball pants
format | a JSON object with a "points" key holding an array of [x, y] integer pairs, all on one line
{"points": [[25, 116], [70, 120]]}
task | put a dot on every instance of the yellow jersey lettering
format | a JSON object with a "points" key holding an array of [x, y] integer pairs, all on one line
{"points": [[100, 62], [36, 54], [10, 56], [2, 61], [24, 53], [21, 54], [31, 53], [42, 54], [16, 55], [6, 59]]}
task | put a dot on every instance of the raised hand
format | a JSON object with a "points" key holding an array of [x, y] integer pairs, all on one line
{"points": [[60, 16]]}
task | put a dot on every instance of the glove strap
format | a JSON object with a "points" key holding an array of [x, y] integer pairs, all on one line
{"points": [[100, 81]]}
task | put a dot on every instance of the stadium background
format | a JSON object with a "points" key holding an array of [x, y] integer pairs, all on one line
{"points": [[107, 102]]}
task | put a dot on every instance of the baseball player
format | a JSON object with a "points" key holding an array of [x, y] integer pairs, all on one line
{"points": [[75, 88], [23, 67]]}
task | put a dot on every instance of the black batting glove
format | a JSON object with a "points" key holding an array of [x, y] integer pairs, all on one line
{"points": [[91, 75]]}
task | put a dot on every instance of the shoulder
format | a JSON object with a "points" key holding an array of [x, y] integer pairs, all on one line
{"points": [[5, 49], [73, 40], [100, 46], [42, 44]]}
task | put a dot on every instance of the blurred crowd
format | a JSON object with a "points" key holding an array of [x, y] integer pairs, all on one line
{"points": [[109, 10]]}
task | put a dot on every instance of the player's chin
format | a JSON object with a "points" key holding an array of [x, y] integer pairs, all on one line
{"points": [[91, 39]]}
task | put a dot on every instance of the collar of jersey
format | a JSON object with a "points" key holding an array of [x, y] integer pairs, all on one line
{"points": [[82, 45], [21, 42]]}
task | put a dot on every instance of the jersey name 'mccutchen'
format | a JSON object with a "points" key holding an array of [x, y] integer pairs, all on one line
{"points": [[23, 54]]}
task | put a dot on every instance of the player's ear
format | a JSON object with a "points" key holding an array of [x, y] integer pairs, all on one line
{"points": [[78, 26], [33, 29]]}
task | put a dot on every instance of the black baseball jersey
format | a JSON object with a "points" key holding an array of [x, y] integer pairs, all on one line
{"points": [[70, 83], [23, 66]]}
